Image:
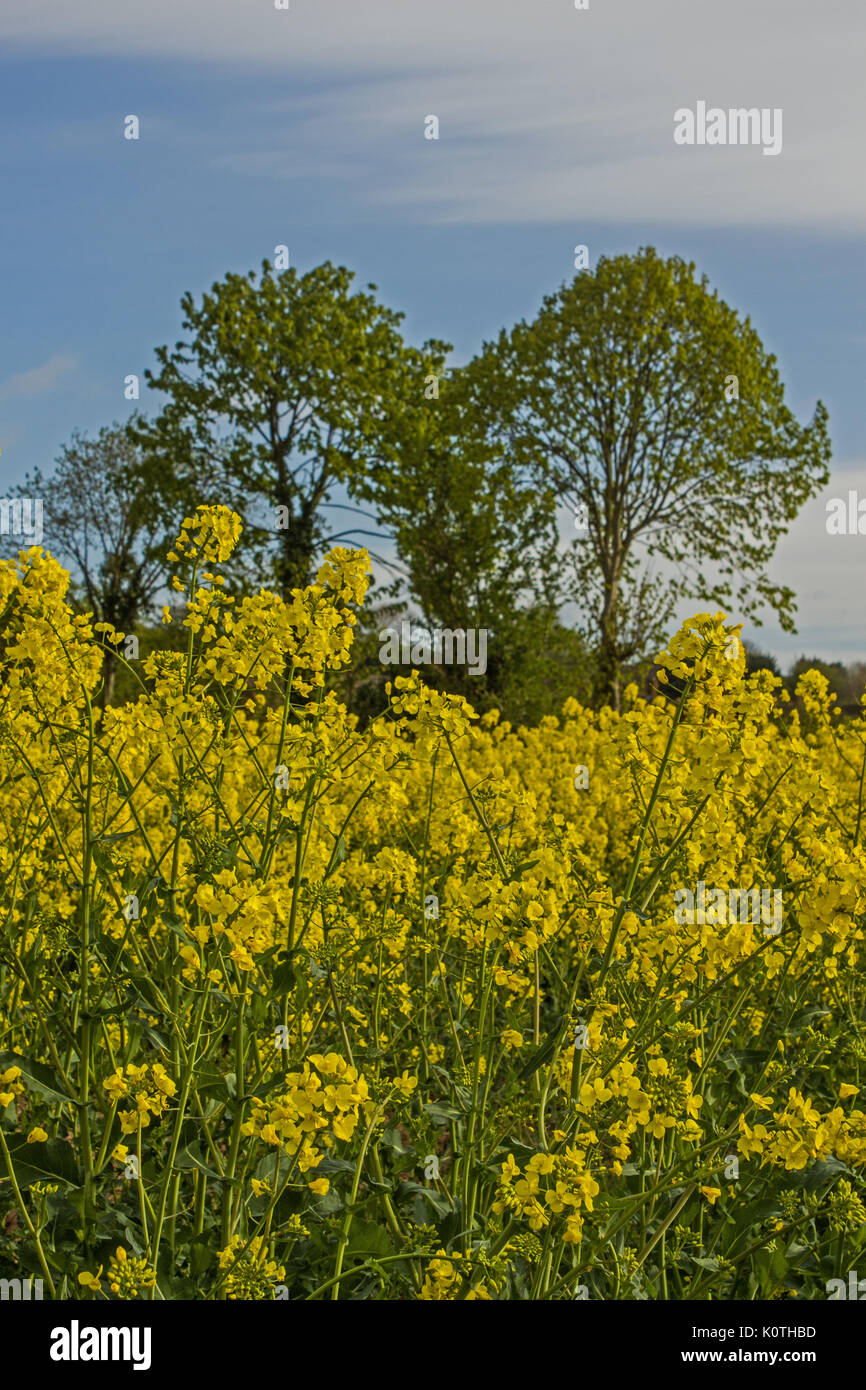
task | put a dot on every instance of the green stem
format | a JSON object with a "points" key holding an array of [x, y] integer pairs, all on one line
{"points": [[353, 1197], [43, 1263]]}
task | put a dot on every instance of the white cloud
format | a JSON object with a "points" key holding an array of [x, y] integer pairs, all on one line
{"points": [[826, 573], [38, 381], [547, 113]]}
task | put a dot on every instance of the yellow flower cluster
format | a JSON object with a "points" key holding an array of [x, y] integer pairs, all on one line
{"points": [[550, 1185], [452, 947], [248, 1272], [323, 1099], [150, 1088], [210, 535], [11, 1086], [129, 1277], [799, 1134], [240, 910], [446, 1276]]}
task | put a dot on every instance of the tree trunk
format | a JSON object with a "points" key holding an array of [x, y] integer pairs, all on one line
{"points": [[607, 681], [109, 671], [295, 559]]}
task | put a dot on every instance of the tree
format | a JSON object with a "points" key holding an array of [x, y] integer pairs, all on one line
{"points": [[655, 413], [110, 519], [756, 660], [478, 542], [278, 398]]}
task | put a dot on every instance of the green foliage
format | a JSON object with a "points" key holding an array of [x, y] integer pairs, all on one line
{"points": [[616, 396], [278, 397], [757, 660], [846, 683], [636, 397], [110, 514], [479, 541]]}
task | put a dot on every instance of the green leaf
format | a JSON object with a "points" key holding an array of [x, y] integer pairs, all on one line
{"points": [[38, 1077], [753, 1213], [210, 1082], [779, 1262], [201, 1256], [53, 1161], [391, 1138], [159, 1040], [543, 1053], [824, 1171], [284, 979], [436, 1200], [522, 868], [173, 922], [440, 1114], [367, 1238], [745, 1057], [177, 1289], [337, 857], [190, 1157], [334, 1165]]}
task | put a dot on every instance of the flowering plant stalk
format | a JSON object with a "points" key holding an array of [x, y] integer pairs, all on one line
{"points": [[434, 1009]]}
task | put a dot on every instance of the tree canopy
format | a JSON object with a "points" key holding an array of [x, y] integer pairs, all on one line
{"points": [[637, 404], [276, 397], [656, 414]]}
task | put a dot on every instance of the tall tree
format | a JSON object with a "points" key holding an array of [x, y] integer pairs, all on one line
{"points": [[478, 543], [276, 399], [655, 413], [108, 518]]}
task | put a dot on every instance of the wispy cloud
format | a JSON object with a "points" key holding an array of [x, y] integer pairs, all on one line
{"points": [[547, 113], [824, 571], [37, 381]]}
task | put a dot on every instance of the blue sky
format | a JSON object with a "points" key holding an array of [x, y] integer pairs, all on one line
{"points": [[306, 128]]}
